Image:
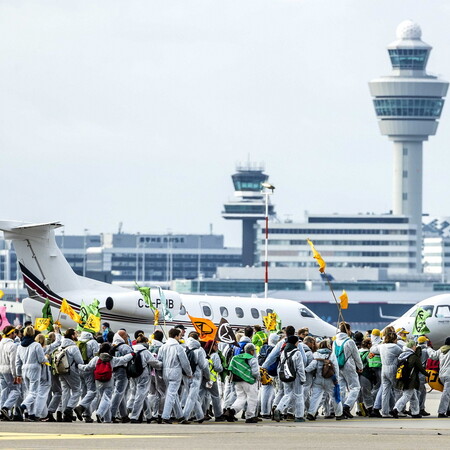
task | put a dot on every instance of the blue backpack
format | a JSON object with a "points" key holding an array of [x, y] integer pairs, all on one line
{"points": [[263, 354], [340, 354], [240, 348]]}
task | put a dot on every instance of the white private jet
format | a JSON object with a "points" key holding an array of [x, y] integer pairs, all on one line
{"points": [[438, 323], [48, 275]]}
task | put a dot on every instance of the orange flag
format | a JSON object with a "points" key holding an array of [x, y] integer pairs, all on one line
{"points": [[204, 327], [317, 257], [344, 300]]}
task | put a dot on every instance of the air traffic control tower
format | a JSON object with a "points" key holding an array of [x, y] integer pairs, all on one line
{"points": [[408, 104], [248, 206]]}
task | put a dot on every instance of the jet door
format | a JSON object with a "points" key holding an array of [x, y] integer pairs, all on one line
{"points": [[207, 310]]}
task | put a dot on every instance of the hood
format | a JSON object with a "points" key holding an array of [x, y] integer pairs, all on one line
{"points": [[172, 341], [157, 343], [274, 338], [26, 341], [245, 339], [305, 347], [341, 337], [375, 339], [117, 339], [105, 357], [86, 336], [323, 352], [445, 348], [67, 342], [192, 344], [139, 347], [407, 352]]}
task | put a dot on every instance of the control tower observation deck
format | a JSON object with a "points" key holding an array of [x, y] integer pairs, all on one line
{"points": [[408, 104], [248, 206]]}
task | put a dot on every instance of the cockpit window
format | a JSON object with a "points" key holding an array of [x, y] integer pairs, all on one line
{"points": [[427, 308], [443, 312], [304, 312]]}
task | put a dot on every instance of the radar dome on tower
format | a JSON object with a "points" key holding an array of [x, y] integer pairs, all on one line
{"points": [[409, 30]]}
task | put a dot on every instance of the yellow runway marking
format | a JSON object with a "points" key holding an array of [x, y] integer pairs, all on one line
{"points": [[11, 436]]}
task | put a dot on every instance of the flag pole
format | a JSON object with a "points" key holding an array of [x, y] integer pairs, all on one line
{"points": [[340, 315]]}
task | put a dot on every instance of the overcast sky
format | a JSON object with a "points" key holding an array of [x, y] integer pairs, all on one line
{"points": [[137, 111]]}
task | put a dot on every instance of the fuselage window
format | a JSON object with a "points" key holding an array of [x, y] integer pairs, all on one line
{"points": [[206, 311], [182, 310], [239, 312], [269, 311], [223, 311], [255, 313]]}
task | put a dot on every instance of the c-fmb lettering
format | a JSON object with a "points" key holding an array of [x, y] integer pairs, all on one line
{"points": [[142, 304]]}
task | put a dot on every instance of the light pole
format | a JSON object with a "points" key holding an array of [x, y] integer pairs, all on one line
{"points": [[84, 254], [266, 187], [199, 261]]}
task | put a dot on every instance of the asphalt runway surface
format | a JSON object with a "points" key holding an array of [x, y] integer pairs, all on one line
{"points": [[360, 432]]}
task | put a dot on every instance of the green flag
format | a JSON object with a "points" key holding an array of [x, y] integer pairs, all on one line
{"points": [[85, 312], [420, 326], [165, 309], [146, 293], [47, 314]]}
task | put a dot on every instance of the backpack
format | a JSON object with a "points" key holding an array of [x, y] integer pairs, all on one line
{"points": [[240, 368], [60, 361], [287, 368], [264, 353], [192, 358], [82, 345], [239, 348], [135, 368], [403, 370], [327, 368], [340, 354], [103, 370], [114, 348]]}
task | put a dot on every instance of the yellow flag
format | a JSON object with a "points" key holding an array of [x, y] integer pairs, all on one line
{"points": [[93, 323], [67, 309], [270, 321], [1, 294], [344, 300], [156, 312], [318, 258], [41, 324]]}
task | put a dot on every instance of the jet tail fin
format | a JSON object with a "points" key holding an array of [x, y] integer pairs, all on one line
{"points": [[36, 250]]}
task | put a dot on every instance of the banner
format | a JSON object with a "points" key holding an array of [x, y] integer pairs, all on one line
{"points": [[41, 323], [3, 320], [225, 333], [67, 309], [93, 323], [420, 326], [204, 327], [270, 321], [165, 310]]}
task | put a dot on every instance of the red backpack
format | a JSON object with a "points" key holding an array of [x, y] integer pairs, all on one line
{"points": [[103, 370]]}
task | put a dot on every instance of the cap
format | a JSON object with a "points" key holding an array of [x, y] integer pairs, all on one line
{"points": [[401, 331], [422, 339], [376, 332], [180, 326]]}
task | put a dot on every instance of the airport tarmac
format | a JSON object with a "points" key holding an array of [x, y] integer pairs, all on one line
{"points": [[360, 432]]}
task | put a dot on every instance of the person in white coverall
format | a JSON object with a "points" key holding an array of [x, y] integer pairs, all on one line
{"points": [[443, 355], [29, 359], [174, 360], [348, 373], [9, 391], [293, 391]]}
